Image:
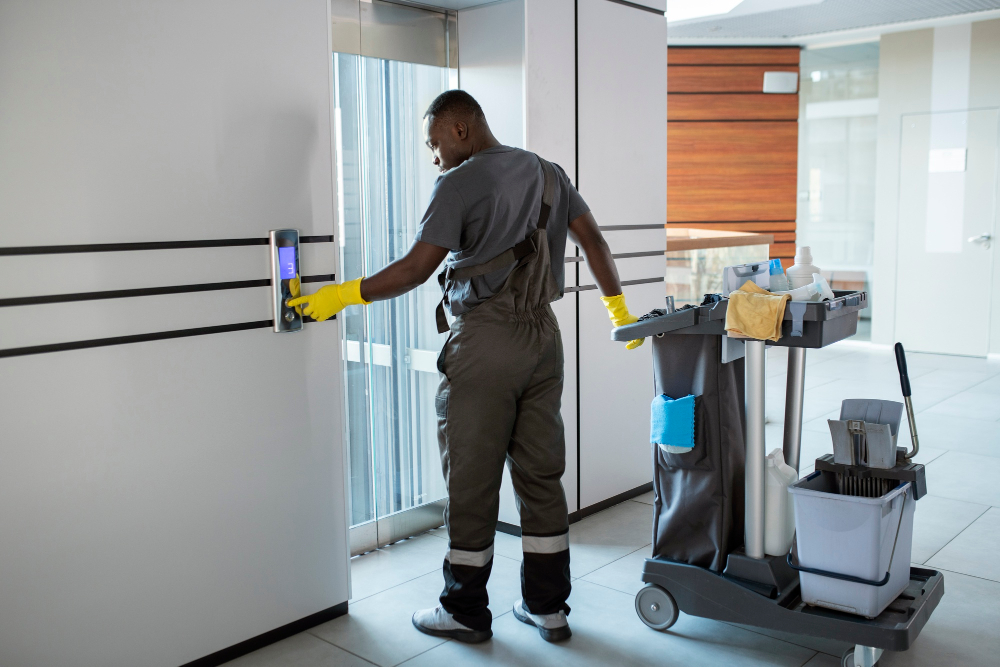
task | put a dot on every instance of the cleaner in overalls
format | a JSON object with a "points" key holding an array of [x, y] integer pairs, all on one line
{"points": [[501, 215]]}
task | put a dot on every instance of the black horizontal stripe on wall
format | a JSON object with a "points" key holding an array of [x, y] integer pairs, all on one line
{"points": [[623, 255], [628, 228], [638, 6], [645, 253], [137, 338], [149, 245], [625, 283], [151, 291]]}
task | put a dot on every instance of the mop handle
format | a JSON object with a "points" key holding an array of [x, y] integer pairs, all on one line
{"points": [[904, 382]]}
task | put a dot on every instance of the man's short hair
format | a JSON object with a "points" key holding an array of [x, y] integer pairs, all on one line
{"points": [[455, 105]]}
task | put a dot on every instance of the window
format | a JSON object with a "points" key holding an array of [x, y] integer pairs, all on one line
{"points": [[385, 177]]}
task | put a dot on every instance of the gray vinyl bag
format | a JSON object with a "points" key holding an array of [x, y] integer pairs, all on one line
{"points": [[698, 495]]}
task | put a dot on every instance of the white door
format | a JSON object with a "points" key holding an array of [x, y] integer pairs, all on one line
{"points": [[947, 205], [172, 478]]}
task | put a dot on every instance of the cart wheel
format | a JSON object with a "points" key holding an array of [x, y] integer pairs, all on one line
{"points": [[656, 607], [847, 660]]}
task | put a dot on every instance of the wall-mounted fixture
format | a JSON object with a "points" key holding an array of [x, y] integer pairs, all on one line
{"points": [[781, 82], [285, 279]]}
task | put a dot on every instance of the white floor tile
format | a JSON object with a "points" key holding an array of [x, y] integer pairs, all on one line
{"points": [[379, 628], [951, 362], [959, 380], [991, 386], [925, 455], [937, 521], [969, 477], [607, 536], [301, 650], [646, 498], [508, 545], [624, 574], [969, 405], [972, 436], [606, 631], [974, 551], [395, 564], [820, 423], [830, 647], [823, 660]]}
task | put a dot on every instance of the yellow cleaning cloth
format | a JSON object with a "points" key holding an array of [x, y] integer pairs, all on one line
{"points": [[755, 313]]}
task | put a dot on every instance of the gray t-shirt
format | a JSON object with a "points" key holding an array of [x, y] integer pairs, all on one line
{"points": [[488, 204]]}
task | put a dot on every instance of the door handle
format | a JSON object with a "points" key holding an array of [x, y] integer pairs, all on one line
{"points": [[982, 239]]}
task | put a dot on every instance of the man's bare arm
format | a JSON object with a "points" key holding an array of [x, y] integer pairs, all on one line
{"points": [[406, 273], [584, 232]]}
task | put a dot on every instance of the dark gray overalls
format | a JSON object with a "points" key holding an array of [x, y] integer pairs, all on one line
{"points": [[499, 401]]}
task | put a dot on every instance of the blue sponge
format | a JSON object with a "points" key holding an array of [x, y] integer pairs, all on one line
{"points": [[672, 421]]}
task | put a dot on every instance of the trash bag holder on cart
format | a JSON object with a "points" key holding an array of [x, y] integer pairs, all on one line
{"points": [[752, 588]]}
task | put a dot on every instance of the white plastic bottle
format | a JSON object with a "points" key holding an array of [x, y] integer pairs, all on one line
{"points": [[801, 272], [779, 517]]}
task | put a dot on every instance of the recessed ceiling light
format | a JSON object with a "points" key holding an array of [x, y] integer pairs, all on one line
{"points": [[682, 10], [816, 76]]}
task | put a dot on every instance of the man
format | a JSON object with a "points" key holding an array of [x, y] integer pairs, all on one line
{"points": [[502, 216]]}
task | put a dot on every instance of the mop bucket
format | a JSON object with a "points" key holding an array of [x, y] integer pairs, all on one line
{"points": [[853, 551]]}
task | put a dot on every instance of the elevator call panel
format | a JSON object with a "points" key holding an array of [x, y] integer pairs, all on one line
{"points": [[285, 283]]}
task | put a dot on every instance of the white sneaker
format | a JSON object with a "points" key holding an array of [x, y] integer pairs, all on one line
{"points": [[552, 627], [439, 623]]}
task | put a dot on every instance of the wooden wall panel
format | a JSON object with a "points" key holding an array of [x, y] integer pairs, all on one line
{"points": [[732, 157], [739, 171], [721, 78], [787, 55], [749, 106]]}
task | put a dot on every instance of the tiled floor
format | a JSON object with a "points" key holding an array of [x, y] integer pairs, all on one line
{"points": [[957, 530]]}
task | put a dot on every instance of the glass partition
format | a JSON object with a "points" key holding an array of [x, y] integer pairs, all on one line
{"points": [[838, 123], [385, 176]]}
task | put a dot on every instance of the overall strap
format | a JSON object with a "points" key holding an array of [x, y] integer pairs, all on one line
{"points": [[507, 257]]}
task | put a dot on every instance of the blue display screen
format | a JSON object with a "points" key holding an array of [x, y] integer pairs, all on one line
{"points": [[286, 262]]}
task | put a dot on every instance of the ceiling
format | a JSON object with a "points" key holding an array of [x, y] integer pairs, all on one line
{"points": [[816, 21]]}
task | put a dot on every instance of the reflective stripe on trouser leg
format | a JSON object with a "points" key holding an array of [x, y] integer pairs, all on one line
{"points": [[466, 572], [545, 579]]}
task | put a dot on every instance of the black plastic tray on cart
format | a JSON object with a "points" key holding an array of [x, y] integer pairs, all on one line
{"points": [[703, 593], [819, 323]]}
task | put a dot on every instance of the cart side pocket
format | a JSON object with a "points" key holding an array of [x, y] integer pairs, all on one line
{"points": [[696, 458]]}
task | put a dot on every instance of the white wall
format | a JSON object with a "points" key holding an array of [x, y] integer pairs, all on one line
{"points": [[909, 82], [550, 93], [491, 65], [163, 500]]}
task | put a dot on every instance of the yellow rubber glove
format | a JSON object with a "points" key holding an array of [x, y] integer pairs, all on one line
{"points": [[330, 300], [618, 312]]}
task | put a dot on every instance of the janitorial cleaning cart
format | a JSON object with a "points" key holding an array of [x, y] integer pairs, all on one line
{"points": [[847, 575]]}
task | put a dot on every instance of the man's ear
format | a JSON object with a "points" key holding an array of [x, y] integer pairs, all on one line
{"points": [[461, 130]]}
